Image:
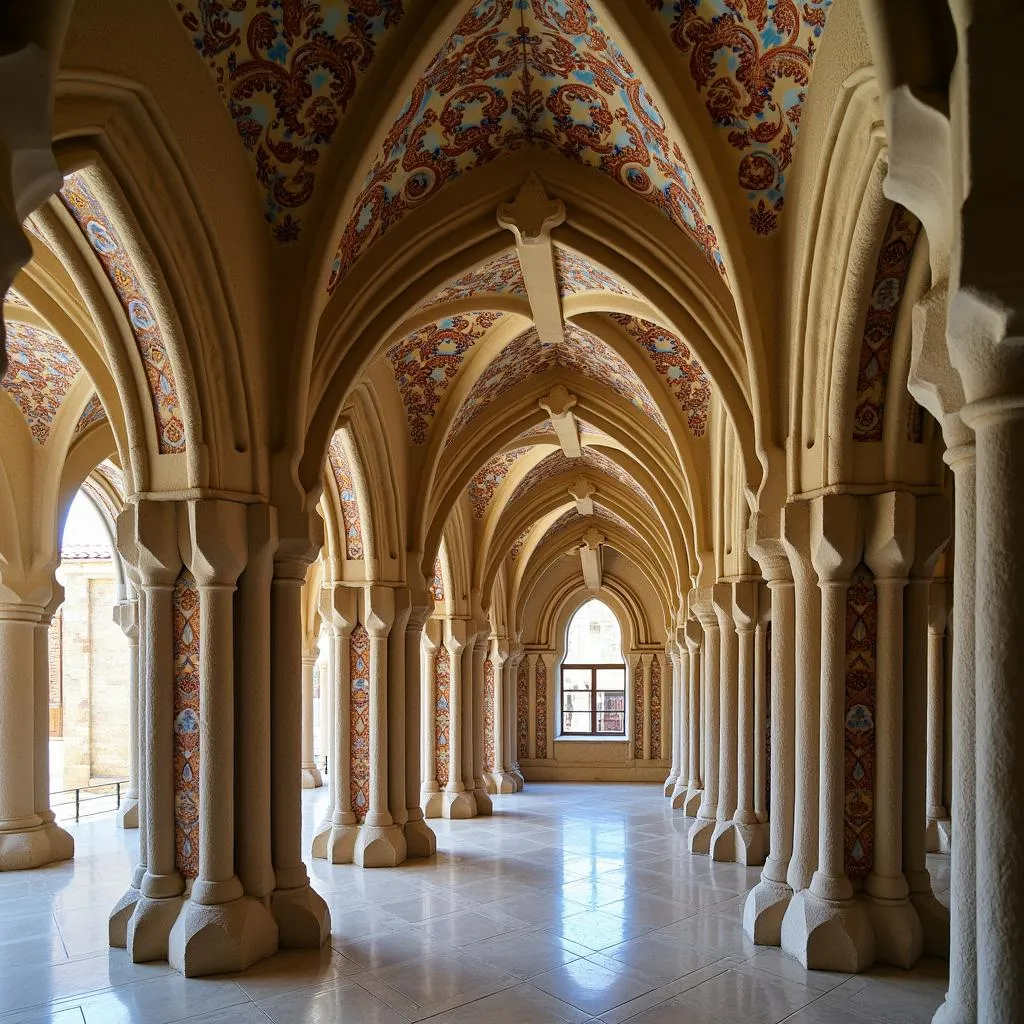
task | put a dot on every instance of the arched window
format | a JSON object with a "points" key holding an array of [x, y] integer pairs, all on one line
{"points": [[594, 674]]}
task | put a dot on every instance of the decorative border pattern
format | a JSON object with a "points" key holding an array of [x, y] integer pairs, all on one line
{"points": [[490, 478], [541, 708], [861, 638], [187, 716], [351, 518], [655, 707], [523, 709], [880, 326], [517, 544], [501, 275], [638, 710], [359, 721], [99, 232], [437, 581], [442, 713], [488, 715], [576, 274], [92, 414]]}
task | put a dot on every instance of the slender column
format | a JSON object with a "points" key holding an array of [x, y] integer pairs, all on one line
{"points": [[380, 842], [327, 673], [672, 712], [310, 775], [931, 534], [430, 640], [126, 615], [302, 916], [888, 552], [766, 905], [531, 691], [465, 731], [512, 712], [396, 734], [503, 780], [457, 802], [681, 735], [824, 927], [645, 661], [723, 840], [483, 801], [937, 835], [694, 782], [699, 838], [761, 710], [420, 840]]}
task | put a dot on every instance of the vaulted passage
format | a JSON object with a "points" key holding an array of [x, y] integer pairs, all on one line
{"points": [[489, 398]]}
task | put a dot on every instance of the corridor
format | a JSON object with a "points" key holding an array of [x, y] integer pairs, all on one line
{"points": [[573, 903]]}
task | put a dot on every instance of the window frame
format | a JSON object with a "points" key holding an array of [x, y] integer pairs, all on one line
{"points": [[594, 668]]}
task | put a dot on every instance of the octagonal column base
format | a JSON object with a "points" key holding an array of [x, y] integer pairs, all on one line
{"points": [[898, 938], [458, 805], [828, 935], [221, 938], [149, 927], [303, 918], [420, 840], [380, 846], [764, 910]]}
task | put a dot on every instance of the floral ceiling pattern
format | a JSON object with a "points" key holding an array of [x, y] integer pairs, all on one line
{"points": [[518, 73], [501, 275], [288, 71], [577, 274], [92, 414], [40, 372], [556, 463], [682, 373], [489, 478], [428, 360], [751, 62], [352, 522]]}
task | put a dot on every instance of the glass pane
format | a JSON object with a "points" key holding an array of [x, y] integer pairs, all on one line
{"points": [[608, 721], [594, 635], [575, 721], [611, 702], [611, 679], [576, 679], [574, 700]]}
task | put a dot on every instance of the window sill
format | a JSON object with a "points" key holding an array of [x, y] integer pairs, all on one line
{"points": [[591, 739]]}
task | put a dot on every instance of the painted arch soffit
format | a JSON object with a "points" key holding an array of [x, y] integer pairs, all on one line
{"points": [[517, 73], [351, 517]]}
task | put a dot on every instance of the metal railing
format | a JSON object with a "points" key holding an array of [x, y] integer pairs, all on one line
{"points": [[104, 791]]}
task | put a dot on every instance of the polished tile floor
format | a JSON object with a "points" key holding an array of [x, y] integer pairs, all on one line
{"points": [[574, 903]]}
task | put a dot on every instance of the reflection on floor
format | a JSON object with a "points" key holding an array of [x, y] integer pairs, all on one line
{"points": [[573, 903]]}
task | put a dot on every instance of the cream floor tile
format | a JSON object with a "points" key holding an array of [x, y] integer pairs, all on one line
{"points": [[462, 928], [296, 969], [343, 1004], [660, 958], [524, 954], [523, 1004], [597, 930], [161, 1000], [592, 987]]}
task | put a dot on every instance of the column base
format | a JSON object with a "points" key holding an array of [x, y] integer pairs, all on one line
{"points": [[483, 801], [311, 777], [322, 833], [934, 919], [128, 813], [699, 838], [149, 928], [669, 785], [221, 938], [723, 841], [120, 914], [764, 910], [504, 782], [303, 918], [691, 803], [432, 802], [938, 833], [751, 843], [828, 935], [380, 846], [517, 774], [458, 805], [420, 840], [34, 846], [340, 844], [898, 939], [678, 797]]}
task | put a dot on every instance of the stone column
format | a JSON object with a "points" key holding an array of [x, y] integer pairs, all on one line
{"points": [[380, 842], [221, 929], [396, 720], [699, 837], [694, 782], [888, 552], [931, 534], [762, 634], [531, 691], [458, 803], [126, 615], [645, 662], [310, 776], [302, 917], [483, 801], [937, 828], [327, 673], [336, 837], [681, 733], [420, 840], [766, 905], [430, 792], [502, 777], [723, 839], [512, 705], [824, 927]]}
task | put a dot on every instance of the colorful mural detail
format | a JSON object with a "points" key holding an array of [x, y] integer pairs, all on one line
{"points": [[40, 372], [92, 414], [490, 478], [99, 232], [685, 377], [359, 721], [442, 713], [880, 327], [488, 715], [287, 71], [557, 463], [604, 514], [542, 431], [512, 74], [861, 637], [501, 275], [751, 61], [428, 360], [113, 475], [187, 715], [570, 516], [523, 710], [655, 707], [517, 544], [638, 711], [577, 274], [541, 709], [437, 581], [352, 522]]}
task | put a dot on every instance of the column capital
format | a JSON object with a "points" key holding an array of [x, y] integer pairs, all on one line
{"points": [[126, 615], [745, 604], [933, 528], [296, 553], [694, 635], [213, 542], [147, 538], [499, 651], [703, 608], [342, 608], [455, 636], [938, 607], [837, 532], [378, 611], [889, 534]]}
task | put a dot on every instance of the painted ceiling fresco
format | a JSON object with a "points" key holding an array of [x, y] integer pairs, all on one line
{"points": [[516, 73], [92, 414], [569, 516], [99, 232], [501, 275], [288, 71], [437, 581], [527, 356], [557, 463], [577, 274], [539, 432], [682, 373], [113, 475], [352, 522], [428, 360], [569, 524], [40, 372], [751, 62], [490, 478], [517, 544]]}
